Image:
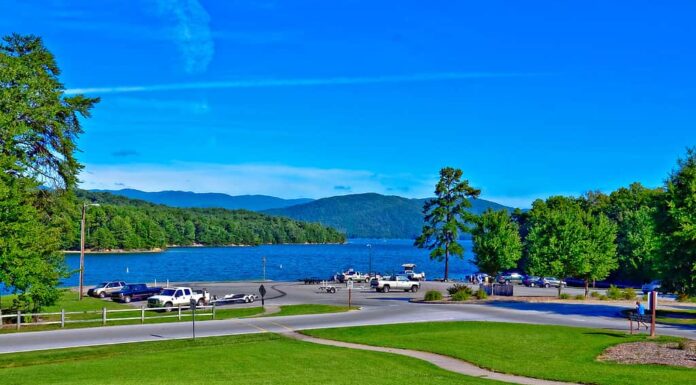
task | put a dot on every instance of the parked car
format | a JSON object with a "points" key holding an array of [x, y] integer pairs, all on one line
{"points": [[510, 278], [178, 296], [105, 289], [652, 286], [394, 282], [135, 292], [352, 275], [550, 282], [530, 280]]}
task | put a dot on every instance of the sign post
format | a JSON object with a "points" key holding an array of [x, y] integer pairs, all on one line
{"points": [[653, 306], [193, 317], [262, 291], [350, 289]]}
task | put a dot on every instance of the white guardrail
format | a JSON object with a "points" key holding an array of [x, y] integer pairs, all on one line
{"points": [[67, 317]]}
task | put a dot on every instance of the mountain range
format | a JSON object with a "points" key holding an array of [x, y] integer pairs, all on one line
{"points": [[368, 215]]}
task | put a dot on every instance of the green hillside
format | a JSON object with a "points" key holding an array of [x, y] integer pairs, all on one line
{"points": [[369, 215], [122, 223]]}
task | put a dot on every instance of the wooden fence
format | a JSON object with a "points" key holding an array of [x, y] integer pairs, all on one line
{"points": [[68, 317]]}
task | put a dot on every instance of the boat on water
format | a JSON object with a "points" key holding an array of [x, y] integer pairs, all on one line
{"points": [[410, 272]]}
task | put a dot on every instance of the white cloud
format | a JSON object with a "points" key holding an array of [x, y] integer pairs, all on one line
{"points": [[191, 32], [302, 82], [276, 180]]}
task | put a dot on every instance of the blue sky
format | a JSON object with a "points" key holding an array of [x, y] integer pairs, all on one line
{"points": [[319, 98]]}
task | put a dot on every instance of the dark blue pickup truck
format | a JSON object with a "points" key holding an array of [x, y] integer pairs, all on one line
{"points": [[135, 292]]}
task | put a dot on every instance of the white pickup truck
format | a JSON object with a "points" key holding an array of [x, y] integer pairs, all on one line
{"points": [[178, 296], [394, 282]]}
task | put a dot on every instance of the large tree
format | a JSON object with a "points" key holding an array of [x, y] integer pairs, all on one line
{"points": [[38, 129], [497, 244], [446, 216], [680, 227]]}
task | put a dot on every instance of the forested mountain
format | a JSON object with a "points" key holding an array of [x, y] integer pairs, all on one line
{"points": [[217, 200], [370, 215], [122, 223]]}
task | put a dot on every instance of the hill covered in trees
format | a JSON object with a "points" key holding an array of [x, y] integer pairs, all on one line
{"points": [[206, 200], [123, 223], [370, 215]]}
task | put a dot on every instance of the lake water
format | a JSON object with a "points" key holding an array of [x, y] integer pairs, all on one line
{"points": [[283, 262]]}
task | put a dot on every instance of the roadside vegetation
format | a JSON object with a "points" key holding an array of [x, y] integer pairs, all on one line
{"points": [[540, 351], [249, 359]]}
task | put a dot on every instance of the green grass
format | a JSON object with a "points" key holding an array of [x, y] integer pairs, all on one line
{"points": [[250, 359], [309, 309], [549, 352], [677, 317]]}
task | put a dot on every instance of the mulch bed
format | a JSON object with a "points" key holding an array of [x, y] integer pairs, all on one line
{"points": [[652, 353]]}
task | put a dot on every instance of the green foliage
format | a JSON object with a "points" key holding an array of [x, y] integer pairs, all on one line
{"points": [[564, 296], [461, 295], [594, 294], [124, 223], [433, 295], [579, 297], [680, 227], [497, 244], [38, 130], [614, 292], [457, 287], [629, 293], [567, 240], [481, 294], [446, 216]]}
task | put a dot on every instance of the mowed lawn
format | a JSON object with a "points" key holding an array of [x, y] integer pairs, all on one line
{"points": [[251, 359], [549, 352], [310, 309]]}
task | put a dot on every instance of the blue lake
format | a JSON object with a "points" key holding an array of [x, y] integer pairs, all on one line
{"points": [[283, 262]]}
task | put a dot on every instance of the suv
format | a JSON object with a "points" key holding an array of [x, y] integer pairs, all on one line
{"points": [[510, 278], [398, 282], [135, 292], [105, 289]]}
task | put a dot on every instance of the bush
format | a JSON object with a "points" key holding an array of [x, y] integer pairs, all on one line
{"points": [[629, 293], [645, 297], [613, 292], [580, 297], [457, 287], [564, 296], [594, 294], [461, 295], [433, 295], [603, 297], [682, 297], [481, 294]]}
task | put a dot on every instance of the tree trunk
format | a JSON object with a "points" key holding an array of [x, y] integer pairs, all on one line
{"points": [[587, 288], [560, 287], [446, 263]]}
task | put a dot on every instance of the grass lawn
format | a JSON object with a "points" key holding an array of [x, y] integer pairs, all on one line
{"points": [[674, 317], [541, 351], [252, 359], [309, 309]]}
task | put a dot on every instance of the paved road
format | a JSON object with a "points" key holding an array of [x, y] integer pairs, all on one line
{"points": [[377, 308]]}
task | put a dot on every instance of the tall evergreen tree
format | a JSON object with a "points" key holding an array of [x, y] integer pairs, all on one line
{"points": [[446, 215]]}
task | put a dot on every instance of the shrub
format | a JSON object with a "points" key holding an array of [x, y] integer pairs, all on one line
{"points": [[682, 297], [580, 297], [603, 297], [594, 294], [645, 297], [461, 295], [481, 294], [629, 293], [564, 296], [457, 287], [613, 292], [433, 295]]}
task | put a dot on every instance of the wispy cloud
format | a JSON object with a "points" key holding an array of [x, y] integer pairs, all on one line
{"points": [[191, 32], [237, 179], [342, 188], [125, 153], [301, 82]]}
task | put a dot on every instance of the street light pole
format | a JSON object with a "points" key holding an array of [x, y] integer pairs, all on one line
{"points": [[82, 245], [369, 272]]}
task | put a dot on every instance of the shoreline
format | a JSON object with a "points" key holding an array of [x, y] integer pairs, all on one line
{"points": [[161, 250]]}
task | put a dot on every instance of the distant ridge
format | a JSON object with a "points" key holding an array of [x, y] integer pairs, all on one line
{"points": [[209, 200], [370, 215]]}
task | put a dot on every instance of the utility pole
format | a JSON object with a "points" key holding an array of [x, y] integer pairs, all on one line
{"points": [[82, 245], [263, 264], [369, 270]]}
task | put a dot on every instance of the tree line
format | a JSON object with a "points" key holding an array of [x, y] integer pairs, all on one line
{"points": [[122, 223], [632, 235]]}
